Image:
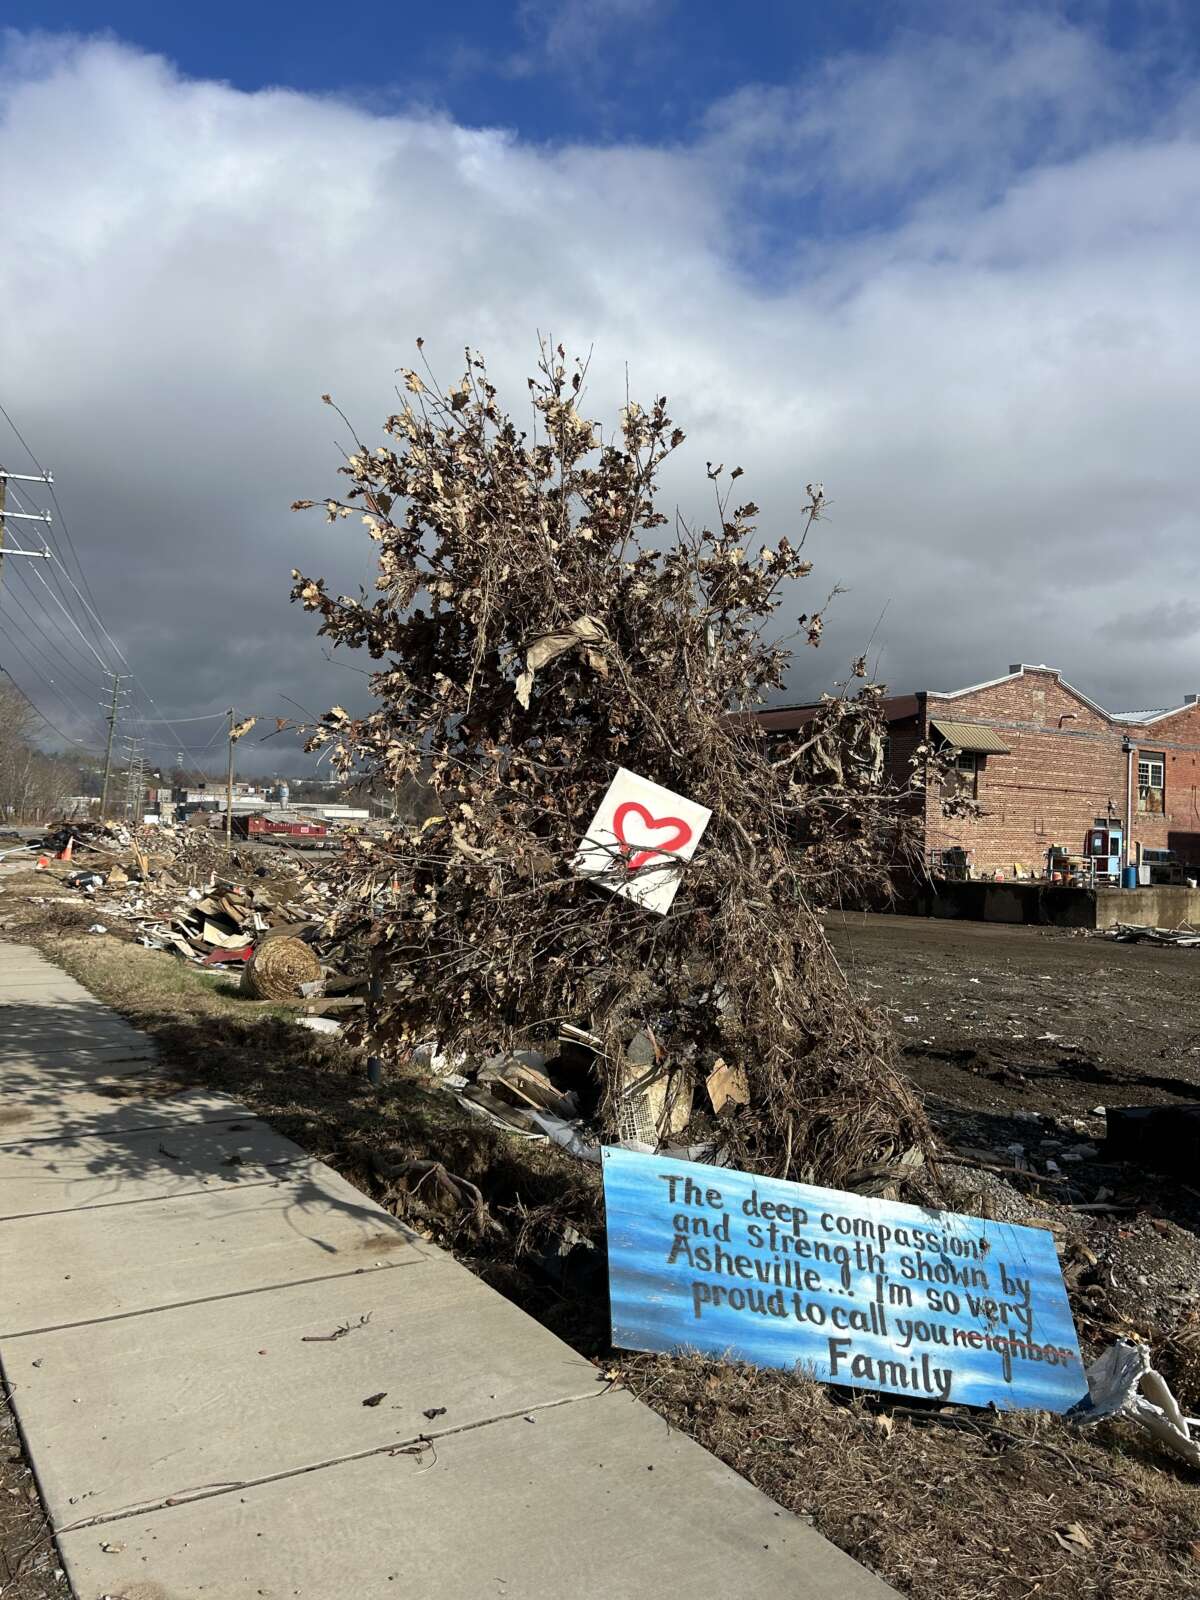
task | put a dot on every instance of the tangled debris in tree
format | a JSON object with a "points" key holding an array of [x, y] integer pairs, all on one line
{"points": [[531, 640]]}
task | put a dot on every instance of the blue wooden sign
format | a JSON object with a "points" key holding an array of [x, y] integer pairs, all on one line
{"points": [[854, 1290]]}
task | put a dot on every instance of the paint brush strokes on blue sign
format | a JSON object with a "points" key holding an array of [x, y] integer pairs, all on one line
{"points": [[823, 1280]]}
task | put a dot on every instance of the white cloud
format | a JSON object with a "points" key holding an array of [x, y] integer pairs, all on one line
{"points": [[569, 33], [995, 382], [940, 119]]}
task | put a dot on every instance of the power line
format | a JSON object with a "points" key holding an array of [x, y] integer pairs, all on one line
{"points": [[38, 675], [34, 645], [187, 749], [121, 654], [158, 708], [53, 496], [54, 648], [104, 666], [26, 499], [48, 617], [71, 705], [207, 717], [57, 564], [37, 709], [60, 570]]}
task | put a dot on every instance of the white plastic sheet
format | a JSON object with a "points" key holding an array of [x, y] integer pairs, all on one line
{"points": [[1122, 1383]]}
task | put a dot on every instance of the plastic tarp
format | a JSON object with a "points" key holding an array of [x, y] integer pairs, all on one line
{"points": [[1122, 1383]]}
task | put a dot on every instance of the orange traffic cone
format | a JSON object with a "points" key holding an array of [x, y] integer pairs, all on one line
{"points": [[43, 864], [68, 849]]}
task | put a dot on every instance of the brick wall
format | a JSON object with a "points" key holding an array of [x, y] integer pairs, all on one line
{"points": [[903, 739], [1065, 769], [1177, 739]]}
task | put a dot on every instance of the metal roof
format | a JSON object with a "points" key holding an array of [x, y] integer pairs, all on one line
{"points": [[1146, 716], [971, 737], [786, 719]]}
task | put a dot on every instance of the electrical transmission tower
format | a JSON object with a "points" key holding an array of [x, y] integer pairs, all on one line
{"points": [[135, 780]]}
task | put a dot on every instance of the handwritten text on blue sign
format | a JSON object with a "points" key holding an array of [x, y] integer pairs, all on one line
{"points": [[859, 1291]]}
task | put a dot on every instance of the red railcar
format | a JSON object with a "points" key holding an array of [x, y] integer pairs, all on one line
{"points": [[260, 827]]}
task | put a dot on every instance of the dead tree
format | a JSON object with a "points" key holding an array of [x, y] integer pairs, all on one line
{"points": [[538, 622]]}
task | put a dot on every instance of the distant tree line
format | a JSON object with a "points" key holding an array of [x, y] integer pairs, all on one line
{"points": [[34, 785]]}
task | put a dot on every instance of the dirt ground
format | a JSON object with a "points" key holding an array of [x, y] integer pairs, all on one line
{"points": [[999, 1020], [29, 1565], [944, 1504]]}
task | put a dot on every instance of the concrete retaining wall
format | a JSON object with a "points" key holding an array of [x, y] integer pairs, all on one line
{"points": [[1054, 905], [1160, 907]]}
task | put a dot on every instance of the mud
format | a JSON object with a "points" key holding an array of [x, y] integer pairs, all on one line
{"points": [[1004, 1020]]}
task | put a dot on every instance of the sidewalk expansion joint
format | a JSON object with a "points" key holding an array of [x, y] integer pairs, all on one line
{"points": [[415, 1444], [208, 1299], [149, 1199], [91, 1132]]}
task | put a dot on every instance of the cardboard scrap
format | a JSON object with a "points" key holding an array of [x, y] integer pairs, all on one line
{"points": [[727, 1087]]}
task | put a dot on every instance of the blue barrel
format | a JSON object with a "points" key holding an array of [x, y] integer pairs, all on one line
{"points": [[1129, 878]]}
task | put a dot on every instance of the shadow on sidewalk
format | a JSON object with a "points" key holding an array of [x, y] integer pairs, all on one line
{"points": [[314, 1090], [123, 1105]]}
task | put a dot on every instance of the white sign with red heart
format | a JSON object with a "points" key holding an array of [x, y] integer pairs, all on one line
{"points": [[640, 838]]}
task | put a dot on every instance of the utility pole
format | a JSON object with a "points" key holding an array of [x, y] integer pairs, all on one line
{"points": [[23, 516], [229, 789], [112, 728]]}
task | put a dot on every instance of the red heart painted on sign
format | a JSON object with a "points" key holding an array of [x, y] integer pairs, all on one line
{"points": [[638, 856]]}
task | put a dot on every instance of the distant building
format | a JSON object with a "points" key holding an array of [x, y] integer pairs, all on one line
{"points": [[330, 813], [1047, 765]]}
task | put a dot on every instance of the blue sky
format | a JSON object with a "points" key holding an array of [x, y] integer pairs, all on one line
{"points": [[941, 257], [567, 70], [611, 69]]}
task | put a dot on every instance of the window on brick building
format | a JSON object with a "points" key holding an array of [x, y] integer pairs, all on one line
{"points": [[1152, 779], [966, 772]]}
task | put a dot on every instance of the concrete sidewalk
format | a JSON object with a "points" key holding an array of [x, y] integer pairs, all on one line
{"points": [[239, 1378]]}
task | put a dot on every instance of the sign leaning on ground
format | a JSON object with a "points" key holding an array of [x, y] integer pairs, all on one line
{"points": [[639, 839], [857, 1291]]}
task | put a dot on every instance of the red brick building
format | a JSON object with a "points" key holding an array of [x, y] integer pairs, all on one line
{"points": [[1046, 765]]}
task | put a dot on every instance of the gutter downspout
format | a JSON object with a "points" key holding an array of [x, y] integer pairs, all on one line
{"points": [[1127, 746]]}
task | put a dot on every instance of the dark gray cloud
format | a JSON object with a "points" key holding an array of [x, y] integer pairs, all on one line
{"points": [[1167, 622], [995, 381]]}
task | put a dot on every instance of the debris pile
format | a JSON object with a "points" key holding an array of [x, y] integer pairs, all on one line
{"points": [[540, 630], [1141, 933], [179, 889], [219, 923]]}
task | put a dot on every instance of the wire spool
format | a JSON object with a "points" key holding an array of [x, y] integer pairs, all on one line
{"points": [[277, 968]]}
